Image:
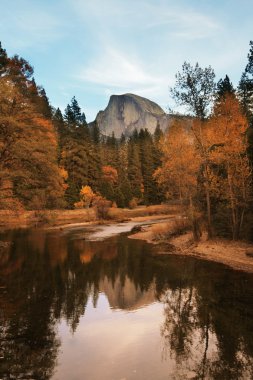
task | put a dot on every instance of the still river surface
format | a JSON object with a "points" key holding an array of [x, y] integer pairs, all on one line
{"points": [[74, 309]]}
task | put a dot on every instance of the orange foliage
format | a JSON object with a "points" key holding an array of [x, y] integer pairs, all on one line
{"points": [[226, 135], [87, 196], [110, 174], [28, 155], [179, 164]]}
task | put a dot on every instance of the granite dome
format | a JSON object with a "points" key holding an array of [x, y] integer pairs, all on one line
{"points": [[127, 112]]}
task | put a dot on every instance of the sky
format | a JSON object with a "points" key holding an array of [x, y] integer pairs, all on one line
{"points": [[92, 49]]}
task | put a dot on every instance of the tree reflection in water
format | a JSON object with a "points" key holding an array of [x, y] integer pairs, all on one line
{"points": [[206, 324], [49, 277]]}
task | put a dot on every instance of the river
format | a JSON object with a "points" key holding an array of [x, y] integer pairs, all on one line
{"points": [[114, 309]]}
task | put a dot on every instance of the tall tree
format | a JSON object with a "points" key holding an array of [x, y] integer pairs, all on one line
{"points": [[226, 135], [245, 88], [178, 173], [147, 166], [28, 144], [3, 60], [224, 87], [194, 88], [134, 169]]}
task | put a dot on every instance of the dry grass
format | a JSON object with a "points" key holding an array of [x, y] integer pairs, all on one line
{"points": [[50, 217], [141, 211], [60, 217], [163, 231]]}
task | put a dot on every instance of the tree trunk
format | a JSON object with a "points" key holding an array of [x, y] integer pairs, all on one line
{"points": [[194, 221], [208, 205], [232, 205]]}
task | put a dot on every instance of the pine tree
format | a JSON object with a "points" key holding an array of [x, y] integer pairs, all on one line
{"points": [[69, 117], [80, 156], [59, 122], [95, 133], [76, 112], [224, 87], [245, 94], [134, 169], [145, 144], [3, 60], [245, 88], [124, 184]]}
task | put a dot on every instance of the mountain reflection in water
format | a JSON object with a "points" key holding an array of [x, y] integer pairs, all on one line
{"points": [[72, 309]]}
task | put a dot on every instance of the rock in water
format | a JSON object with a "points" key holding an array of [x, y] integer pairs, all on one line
{"points": [[126, 112]]}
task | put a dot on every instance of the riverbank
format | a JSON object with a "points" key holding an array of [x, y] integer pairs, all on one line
{"points": [[161, 225], [63, 218], [236, 254]]}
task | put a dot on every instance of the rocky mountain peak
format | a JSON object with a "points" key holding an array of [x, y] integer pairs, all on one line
{"points": [[127, 112]]}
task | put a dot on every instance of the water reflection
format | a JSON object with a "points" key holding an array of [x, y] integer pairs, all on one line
{"points": [[199, 315]]}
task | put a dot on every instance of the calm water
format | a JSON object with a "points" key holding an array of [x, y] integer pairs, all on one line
{"points": [[71, 309]]}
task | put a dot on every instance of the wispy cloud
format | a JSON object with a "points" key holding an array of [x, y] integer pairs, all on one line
{"points": [[180, 21], [113, 72], [113, 68], [118, 46], [138, 44]]}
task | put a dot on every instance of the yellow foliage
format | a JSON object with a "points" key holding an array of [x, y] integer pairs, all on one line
{"points": [[180, 162], [87, 195], [63, 173]]}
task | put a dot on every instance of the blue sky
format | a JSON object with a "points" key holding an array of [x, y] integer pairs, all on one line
{"points": [[95, 48]]}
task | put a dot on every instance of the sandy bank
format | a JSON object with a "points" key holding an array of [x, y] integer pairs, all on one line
{"points": [[236, 254], [100, 231]]}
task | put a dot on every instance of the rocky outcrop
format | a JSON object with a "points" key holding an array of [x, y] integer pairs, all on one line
{"points": [[127, 112]]}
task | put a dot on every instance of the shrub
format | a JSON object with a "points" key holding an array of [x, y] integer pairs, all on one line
{"points": [[102, 206], [133, 203]]}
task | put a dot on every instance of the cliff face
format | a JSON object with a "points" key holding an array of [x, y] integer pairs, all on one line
{"points": [[126, 112]]}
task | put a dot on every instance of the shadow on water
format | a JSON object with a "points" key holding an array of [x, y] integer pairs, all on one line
{"points": [[45, 278]]}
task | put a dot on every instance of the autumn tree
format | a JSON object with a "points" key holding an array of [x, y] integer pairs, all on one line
{"points": [[108, 182], [179, 169], [28, 143], [205, 173], [226, 134], [87, 196]]}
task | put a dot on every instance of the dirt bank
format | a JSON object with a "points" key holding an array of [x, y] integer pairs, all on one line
{"points": [[236, 254]]}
